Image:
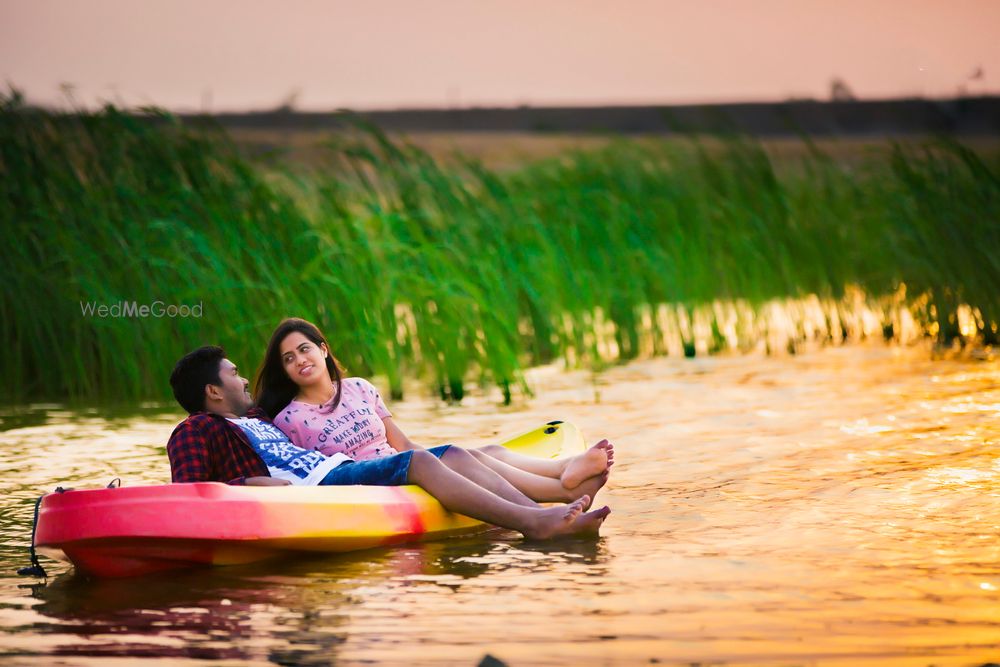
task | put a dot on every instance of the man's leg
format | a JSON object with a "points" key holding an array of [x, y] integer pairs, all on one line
{"points": [[461, 495], [466, 465]]}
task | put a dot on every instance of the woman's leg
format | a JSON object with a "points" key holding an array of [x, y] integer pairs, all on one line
{"points": [[459, 494], [571, 472], [538, 488], [552, 468]]}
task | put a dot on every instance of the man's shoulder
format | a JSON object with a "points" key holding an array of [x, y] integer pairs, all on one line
{"points": [[258, 413], [198, 427], [209, 424], [198, 421]]}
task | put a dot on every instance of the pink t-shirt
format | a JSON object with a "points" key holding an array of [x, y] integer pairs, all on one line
{"points": [[355, 428]]}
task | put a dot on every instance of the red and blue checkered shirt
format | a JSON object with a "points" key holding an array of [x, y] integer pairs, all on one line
{"points": [[207, 447]]}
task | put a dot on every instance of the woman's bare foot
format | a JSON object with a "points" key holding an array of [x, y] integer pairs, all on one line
{"points": [[592, 462], [567, 520], [589, 487], [609, 449]]}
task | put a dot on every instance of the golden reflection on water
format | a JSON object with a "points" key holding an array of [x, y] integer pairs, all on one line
{"points": [[834, 507]]}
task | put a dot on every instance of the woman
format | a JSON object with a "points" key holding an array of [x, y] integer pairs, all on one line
{"points": [[303, 386]]}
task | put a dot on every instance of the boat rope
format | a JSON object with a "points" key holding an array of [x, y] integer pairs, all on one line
{"points": [[35, 569]]}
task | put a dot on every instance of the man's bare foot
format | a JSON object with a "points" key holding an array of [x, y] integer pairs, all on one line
{"points": [[568, 520], [589, 487], [552, 521], [589, 523], [592, 462]]}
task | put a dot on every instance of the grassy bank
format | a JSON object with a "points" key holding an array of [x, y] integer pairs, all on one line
{"points": [[460, 273]]}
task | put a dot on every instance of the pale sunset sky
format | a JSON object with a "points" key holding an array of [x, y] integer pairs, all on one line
{"points": [[219, 55]]}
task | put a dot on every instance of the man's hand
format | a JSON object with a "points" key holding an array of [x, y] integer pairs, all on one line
{"points": [[266, 481]]}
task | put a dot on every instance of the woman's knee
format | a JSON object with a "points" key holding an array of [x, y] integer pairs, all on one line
{"points": [[489, 450], [479, 455]]}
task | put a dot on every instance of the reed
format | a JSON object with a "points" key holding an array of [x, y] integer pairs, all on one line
{"points": [[460, 273]]}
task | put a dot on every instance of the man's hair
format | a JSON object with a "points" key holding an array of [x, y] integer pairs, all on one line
{"points": [[195, 370]]}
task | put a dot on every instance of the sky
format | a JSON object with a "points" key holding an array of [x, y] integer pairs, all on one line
{"points": [[229, 55]]}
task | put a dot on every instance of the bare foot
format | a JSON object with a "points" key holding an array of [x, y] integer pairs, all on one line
{"points": [[609, 450], [589, 523], [569, 520], [552, 521], [592, 462], [589, 487]]}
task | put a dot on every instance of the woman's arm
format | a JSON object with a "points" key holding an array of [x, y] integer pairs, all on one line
{"points": [[396, 438]]}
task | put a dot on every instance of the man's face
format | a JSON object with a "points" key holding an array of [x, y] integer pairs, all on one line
{"points": [[233, 396]]}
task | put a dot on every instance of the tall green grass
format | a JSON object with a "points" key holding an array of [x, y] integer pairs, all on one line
{"points": [[459, 273]]}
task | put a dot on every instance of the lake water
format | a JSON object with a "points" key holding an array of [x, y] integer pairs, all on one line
{"points": [[836, 507]]}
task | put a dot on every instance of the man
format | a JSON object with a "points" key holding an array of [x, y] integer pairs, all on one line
{"points": [[226, 439]]}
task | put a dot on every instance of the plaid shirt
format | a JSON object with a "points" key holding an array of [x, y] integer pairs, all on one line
{"points": [[207, 447]]}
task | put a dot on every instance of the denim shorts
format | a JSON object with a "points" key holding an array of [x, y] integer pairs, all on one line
{"points": [[386, 471]]}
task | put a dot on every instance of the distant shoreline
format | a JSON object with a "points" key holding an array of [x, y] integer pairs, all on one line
{"points": [[967, 116]]}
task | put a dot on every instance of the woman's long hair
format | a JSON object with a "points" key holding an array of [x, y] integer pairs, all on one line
{"points": [[273, 390]]}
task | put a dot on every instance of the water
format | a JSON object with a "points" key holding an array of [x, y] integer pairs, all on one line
{"points": [[835, 507]]}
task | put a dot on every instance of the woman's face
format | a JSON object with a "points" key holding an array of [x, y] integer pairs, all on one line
{"points": [[303, 360]]}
